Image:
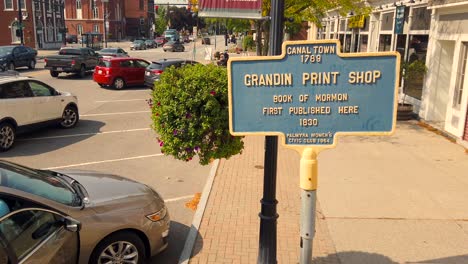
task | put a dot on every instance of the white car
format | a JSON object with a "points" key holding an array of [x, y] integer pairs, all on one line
{"points": [[26, 103]]}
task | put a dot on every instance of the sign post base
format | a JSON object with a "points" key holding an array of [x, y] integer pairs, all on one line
{"points": [[308, 183]]}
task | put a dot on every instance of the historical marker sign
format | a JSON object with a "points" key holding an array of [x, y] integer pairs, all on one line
{"points": [[312, 93]]}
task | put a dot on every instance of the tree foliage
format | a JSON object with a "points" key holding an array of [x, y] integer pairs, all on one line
{"points": [[160, 22]]}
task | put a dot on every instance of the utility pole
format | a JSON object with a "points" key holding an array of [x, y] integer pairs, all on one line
{"points": [[20, 23]]}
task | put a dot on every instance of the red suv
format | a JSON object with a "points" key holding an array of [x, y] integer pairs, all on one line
{"points": [[120, 72]]}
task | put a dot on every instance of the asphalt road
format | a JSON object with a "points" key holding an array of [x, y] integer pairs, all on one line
{"points": [[114, 136]]}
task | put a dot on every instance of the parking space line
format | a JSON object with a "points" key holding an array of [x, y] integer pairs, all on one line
{"points": [[128, 100], [86, 134], [178, 198], [103, 161], [117, 113]]}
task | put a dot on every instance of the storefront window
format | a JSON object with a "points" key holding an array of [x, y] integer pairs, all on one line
{"points": [[421, 19], [387, 21], [385, 42], [363, 43], [347, 47], [418, 47], [341, 39], [342, 25], [416, 52]]}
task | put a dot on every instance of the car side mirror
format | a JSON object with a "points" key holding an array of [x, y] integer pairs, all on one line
{"points": [[72, 225]]}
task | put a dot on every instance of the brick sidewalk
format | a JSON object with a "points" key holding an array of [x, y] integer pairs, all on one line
{"points": [[229, 231]]}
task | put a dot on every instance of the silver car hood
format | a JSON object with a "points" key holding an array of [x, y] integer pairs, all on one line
{"points": [[103, 188]]}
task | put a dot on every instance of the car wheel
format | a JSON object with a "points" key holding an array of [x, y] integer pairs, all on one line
{"points": [[119, 83], [7, 136], [82, 72], [11, 66], [54, 74], [122, 247], [32, 64], [70, 117]]}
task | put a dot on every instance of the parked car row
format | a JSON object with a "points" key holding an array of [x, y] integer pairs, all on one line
{"points": [[72, 216], [119, 73]]}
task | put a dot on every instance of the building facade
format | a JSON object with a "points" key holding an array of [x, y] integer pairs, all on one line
{"points": [[42, 23], [87, 16], [445, 94], [434, 32], [137, 23]]}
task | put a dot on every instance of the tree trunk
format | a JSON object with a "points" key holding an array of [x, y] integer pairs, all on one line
{"points": [[258, 41]]}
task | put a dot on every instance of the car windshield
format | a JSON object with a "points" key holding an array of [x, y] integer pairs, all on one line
{"points": [[6, 50], [138, 41], [108, 51], [38, 183], [70, 52]]}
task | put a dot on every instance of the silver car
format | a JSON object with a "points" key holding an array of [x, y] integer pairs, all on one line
{"points": [[78, 217]]}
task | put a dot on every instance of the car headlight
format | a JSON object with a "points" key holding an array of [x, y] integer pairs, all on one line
{"points": [[158, 215]]}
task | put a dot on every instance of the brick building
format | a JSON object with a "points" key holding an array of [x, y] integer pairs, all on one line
{"points": [[85, 16], [126, 18], [43, 24]]}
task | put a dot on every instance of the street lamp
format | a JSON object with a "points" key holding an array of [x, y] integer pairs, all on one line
{"points": [[105, 21]]}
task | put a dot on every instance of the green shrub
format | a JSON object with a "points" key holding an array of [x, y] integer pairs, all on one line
{"points": [[190, 113], [249, 43]]}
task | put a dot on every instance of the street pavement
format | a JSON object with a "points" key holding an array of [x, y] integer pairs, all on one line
{"points": [[381, 200]]}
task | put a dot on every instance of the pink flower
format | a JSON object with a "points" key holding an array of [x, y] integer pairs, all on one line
{"points": [[161, 144], [213, 92]]}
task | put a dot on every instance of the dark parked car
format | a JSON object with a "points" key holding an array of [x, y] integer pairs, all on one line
{"points": [[174, 46], [206, 39], [160, 41], [76, 60], [138, 45], [156, 68], [12, 57], [120, 72], [79, 217], [112, 52], [71, 38], [150, 44]]}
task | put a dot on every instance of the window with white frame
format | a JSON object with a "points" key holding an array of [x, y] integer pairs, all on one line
{"points": [[96, 28], [94, 9], [460, 75], [23, 4], [79, 29], [8, 4], [50, 32], [78, 4], [14, 26]]}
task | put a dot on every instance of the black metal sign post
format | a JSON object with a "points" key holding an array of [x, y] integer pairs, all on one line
{"points": [[268, 215]]}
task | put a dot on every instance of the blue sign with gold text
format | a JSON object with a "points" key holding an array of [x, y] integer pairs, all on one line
{"points": [[311, 93]]}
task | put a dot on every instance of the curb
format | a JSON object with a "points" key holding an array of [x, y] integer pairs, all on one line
{"points": [[193, 233]]}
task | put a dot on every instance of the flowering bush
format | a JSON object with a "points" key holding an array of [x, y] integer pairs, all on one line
{"points": [[190, 113]]}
